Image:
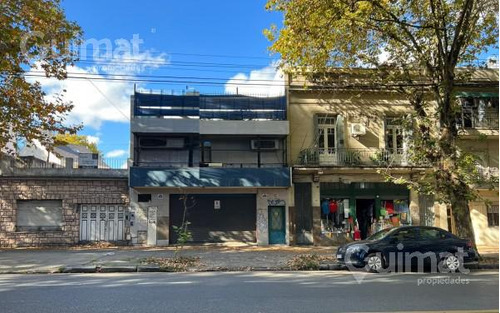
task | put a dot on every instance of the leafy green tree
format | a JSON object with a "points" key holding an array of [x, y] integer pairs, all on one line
{"points": [[73, 139], [184, 234], [424, 44], [33, 33]]}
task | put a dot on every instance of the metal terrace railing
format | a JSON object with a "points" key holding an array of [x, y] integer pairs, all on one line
{"points": [[472, 118], [103, 164], [224, 107], [353, 157]]}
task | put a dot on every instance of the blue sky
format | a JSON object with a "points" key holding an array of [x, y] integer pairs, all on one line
{"points": [[220, 41], [169, 30]]}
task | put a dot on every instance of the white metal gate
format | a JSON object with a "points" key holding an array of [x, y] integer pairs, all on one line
{"points": [[99, 222]]}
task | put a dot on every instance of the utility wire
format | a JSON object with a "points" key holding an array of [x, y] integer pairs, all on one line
{"points": [[229, 56], [155, 76], [160, 81], [166, 62], [107, 99]]}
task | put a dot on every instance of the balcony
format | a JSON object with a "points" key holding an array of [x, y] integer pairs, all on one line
{"points": [[488, 173], [354, 158], [471, 118], [209, 114], [216, 152]]}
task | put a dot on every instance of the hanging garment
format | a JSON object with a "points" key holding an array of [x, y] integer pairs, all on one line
{"points": [[333, 206], [346, 208], [389, 207], [325, 207], [340, 211], [401, 206]]}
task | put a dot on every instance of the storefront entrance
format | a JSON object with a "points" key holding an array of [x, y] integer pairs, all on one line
{"points": [[365, 213], [357, 210]]}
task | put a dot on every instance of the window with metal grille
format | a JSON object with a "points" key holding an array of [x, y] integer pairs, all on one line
{"points": [[492, 213]]}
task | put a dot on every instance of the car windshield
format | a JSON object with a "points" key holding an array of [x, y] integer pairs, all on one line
{"points": [[379, 235]]}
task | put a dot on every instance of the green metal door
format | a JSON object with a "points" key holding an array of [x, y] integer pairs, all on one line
{"points": [[277, 230]]}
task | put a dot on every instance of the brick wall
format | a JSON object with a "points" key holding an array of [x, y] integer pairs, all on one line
{"points": [[72, 192]]}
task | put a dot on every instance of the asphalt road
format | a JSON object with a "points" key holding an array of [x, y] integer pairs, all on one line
{"points": [[247, 292]]}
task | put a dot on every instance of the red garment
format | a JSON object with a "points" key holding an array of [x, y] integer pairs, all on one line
{"points": [[333, 207], [357, 234], [389, 207]]}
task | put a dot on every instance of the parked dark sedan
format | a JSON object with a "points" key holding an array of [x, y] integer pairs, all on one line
{"points": [[407, 247]]}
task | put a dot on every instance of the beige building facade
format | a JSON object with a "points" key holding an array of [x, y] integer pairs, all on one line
{"points": [[341, 141]]}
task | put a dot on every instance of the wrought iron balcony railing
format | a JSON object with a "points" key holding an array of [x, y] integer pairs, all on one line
{"points": [[353, 157], [473, 119]]}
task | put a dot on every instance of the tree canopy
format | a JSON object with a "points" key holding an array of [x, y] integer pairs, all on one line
{"points": [[424, 44], [73, 139], [33, 34]]}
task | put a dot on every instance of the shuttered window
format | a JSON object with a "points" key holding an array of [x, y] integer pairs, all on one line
{"points": [[492, 215], [39, 215]]}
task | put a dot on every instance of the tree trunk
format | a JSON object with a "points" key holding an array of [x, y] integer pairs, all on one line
{"points": [[461, 217]]}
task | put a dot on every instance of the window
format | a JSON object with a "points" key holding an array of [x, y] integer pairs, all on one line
{"points": [[39, 215], [406, 234], [264, 144], [479, 112], [206, 152], [326, 133], [492, 212], [394, 138], [153, 142], [432, 234], [175, 143], [144, 197]]}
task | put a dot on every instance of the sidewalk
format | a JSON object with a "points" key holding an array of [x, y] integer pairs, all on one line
{"points": [[211, 257]]}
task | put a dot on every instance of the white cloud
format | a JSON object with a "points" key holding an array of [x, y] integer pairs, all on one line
{"points": [[97, 101], [264, 82], [115, 153], [93, 139]]}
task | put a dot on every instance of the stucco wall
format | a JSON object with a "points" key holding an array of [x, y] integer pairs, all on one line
{"points": [[369, 109], [264, 198], [485, 235]]}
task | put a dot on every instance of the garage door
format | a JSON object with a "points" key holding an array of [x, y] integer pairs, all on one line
{"points": [[216, 218], [102, 222]]}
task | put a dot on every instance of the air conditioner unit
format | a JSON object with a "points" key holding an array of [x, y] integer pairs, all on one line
{"points": [[358, 129], [264, 144]]}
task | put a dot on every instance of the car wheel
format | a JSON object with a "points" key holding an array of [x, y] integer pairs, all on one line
{"points": [[374, 262], [451, 263]]}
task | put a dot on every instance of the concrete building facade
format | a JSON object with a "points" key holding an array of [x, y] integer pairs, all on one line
{"points": [[218, 162]]}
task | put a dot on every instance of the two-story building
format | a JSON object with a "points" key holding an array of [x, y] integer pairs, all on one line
{"points": [[342, 137], [217, 161]]}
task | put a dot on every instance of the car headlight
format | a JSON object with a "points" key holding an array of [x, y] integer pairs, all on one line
{"points": [[356, 249]]}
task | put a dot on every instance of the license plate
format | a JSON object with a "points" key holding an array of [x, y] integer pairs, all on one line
{"points": [[339, 256]]}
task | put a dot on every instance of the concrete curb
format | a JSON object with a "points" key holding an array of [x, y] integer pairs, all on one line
{"points": [[148, 268], [116, 269], [79, 269], [156, 268]]}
